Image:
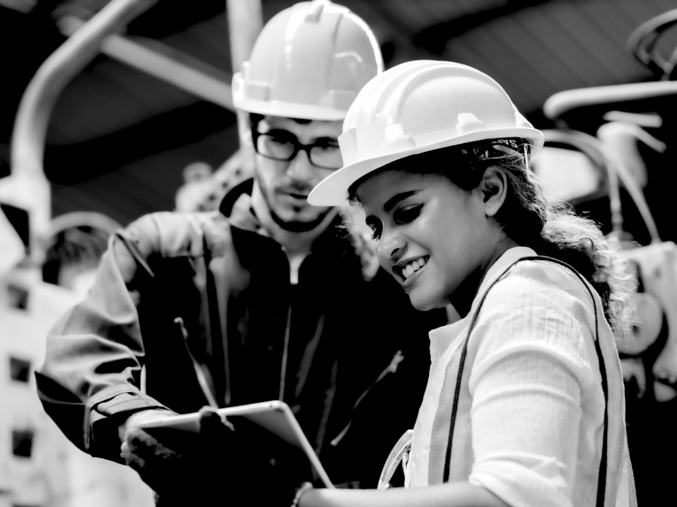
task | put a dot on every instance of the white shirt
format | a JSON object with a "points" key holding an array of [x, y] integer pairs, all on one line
{"points": [[530, 419]]}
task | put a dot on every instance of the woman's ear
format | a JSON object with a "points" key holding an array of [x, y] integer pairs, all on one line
{"points": [[494, 189]]}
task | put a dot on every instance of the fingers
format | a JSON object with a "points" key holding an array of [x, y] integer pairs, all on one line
{"points": [[215, 432], [137, 446], [212, 414], [169, 460], [146, 455]]}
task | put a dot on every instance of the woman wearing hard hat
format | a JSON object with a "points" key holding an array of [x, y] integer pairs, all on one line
{"points": [[524, 404]]}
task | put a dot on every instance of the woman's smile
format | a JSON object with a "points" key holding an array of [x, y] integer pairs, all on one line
{"points": [[410, 269]]}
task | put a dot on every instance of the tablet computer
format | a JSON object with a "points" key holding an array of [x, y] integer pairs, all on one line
{"points": [[273, 416]]}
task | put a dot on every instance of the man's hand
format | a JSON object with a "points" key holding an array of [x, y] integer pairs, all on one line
{"points": [[178, 466], [137, 446], [236, 464]]}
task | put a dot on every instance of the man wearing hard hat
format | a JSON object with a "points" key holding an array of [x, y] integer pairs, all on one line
{"points": [[267, 298]]}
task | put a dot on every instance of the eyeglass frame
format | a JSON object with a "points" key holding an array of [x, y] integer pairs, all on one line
{"points": [[297, 148]]}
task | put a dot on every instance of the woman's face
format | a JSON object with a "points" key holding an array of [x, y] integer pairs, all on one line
{"points": [[432, 235]]}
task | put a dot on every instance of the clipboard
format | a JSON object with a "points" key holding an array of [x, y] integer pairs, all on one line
{"points": [[274, 416]]}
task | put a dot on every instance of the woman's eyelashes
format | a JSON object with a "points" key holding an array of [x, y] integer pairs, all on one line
{"points": [[407, 214], [375, 226], [401, 216]]}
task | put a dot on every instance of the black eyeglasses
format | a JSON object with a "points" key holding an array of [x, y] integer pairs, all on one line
{"points": [[324, 153]]}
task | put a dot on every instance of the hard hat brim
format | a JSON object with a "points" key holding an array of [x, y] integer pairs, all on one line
{"points": [[333, 190], [289, 110]]}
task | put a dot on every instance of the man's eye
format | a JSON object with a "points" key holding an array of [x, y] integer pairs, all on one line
{"points": [[327, 147], [279, 136], [277, 140], [407, 214]]}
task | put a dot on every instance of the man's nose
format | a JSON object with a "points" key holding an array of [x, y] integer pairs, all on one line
{"points": [[391, 246], [300, 168]]}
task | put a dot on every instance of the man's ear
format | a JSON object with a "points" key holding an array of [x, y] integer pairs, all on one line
{"points": [[494, 189]]}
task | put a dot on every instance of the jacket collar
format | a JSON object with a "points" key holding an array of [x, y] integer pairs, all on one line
{"points": [[251, 240]]}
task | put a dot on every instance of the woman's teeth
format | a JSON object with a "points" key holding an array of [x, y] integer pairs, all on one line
{"points": [[413, 267]]}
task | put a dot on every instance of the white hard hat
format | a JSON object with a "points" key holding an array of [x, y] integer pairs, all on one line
{"points": [[416, 107], [309, 62]]}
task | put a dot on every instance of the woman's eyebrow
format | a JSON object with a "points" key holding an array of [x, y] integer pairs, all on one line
{"points": [[390, 203]]}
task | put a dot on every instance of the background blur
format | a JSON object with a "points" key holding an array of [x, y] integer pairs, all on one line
{"points": [[119, 139], [126, 137]]}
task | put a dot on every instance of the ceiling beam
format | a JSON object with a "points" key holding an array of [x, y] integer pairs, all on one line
{"points": [[165, 63], [435, 37]]}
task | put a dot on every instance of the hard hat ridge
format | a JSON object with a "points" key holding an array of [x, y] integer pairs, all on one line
{"points": [[315, 10], [309, 62]]}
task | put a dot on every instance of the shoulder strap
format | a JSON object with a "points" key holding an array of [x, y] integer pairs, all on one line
{"points": [[601, 482]]}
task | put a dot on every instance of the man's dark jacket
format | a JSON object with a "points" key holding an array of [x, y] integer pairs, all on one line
{"points": [[175, 289]]}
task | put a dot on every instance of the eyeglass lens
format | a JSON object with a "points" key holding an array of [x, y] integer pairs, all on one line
{"points": [[321, 154]]}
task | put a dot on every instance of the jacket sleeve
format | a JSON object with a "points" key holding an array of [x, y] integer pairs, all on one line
{"points": [[89, 383]]}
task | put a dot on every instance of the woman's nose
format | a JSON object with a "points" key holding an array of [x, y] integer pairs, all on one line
{"points": [[390, 247]]}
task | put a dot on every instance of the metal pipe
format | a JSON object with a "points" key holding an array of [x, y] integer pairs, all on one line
{"points": [[561, 102], [80, 219], [37, 103], [245, 21]]}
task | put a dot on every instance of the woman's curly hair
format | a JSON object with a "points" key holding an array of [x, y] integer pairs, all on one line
{"points": [[550, 228]]}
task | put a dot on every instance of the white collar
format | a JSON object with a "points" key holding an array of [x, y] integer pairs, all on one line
{"points": [[442, 337], [498, 268]]}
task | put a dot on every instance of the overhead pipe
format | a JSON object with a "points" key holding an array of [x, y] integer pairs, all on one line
{"points": [[27, 186], [561, 102]]}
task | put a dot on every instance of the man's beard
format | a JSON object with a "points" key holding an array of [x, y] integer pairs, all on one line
{"points": [[295, 225], [290, 225]]}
